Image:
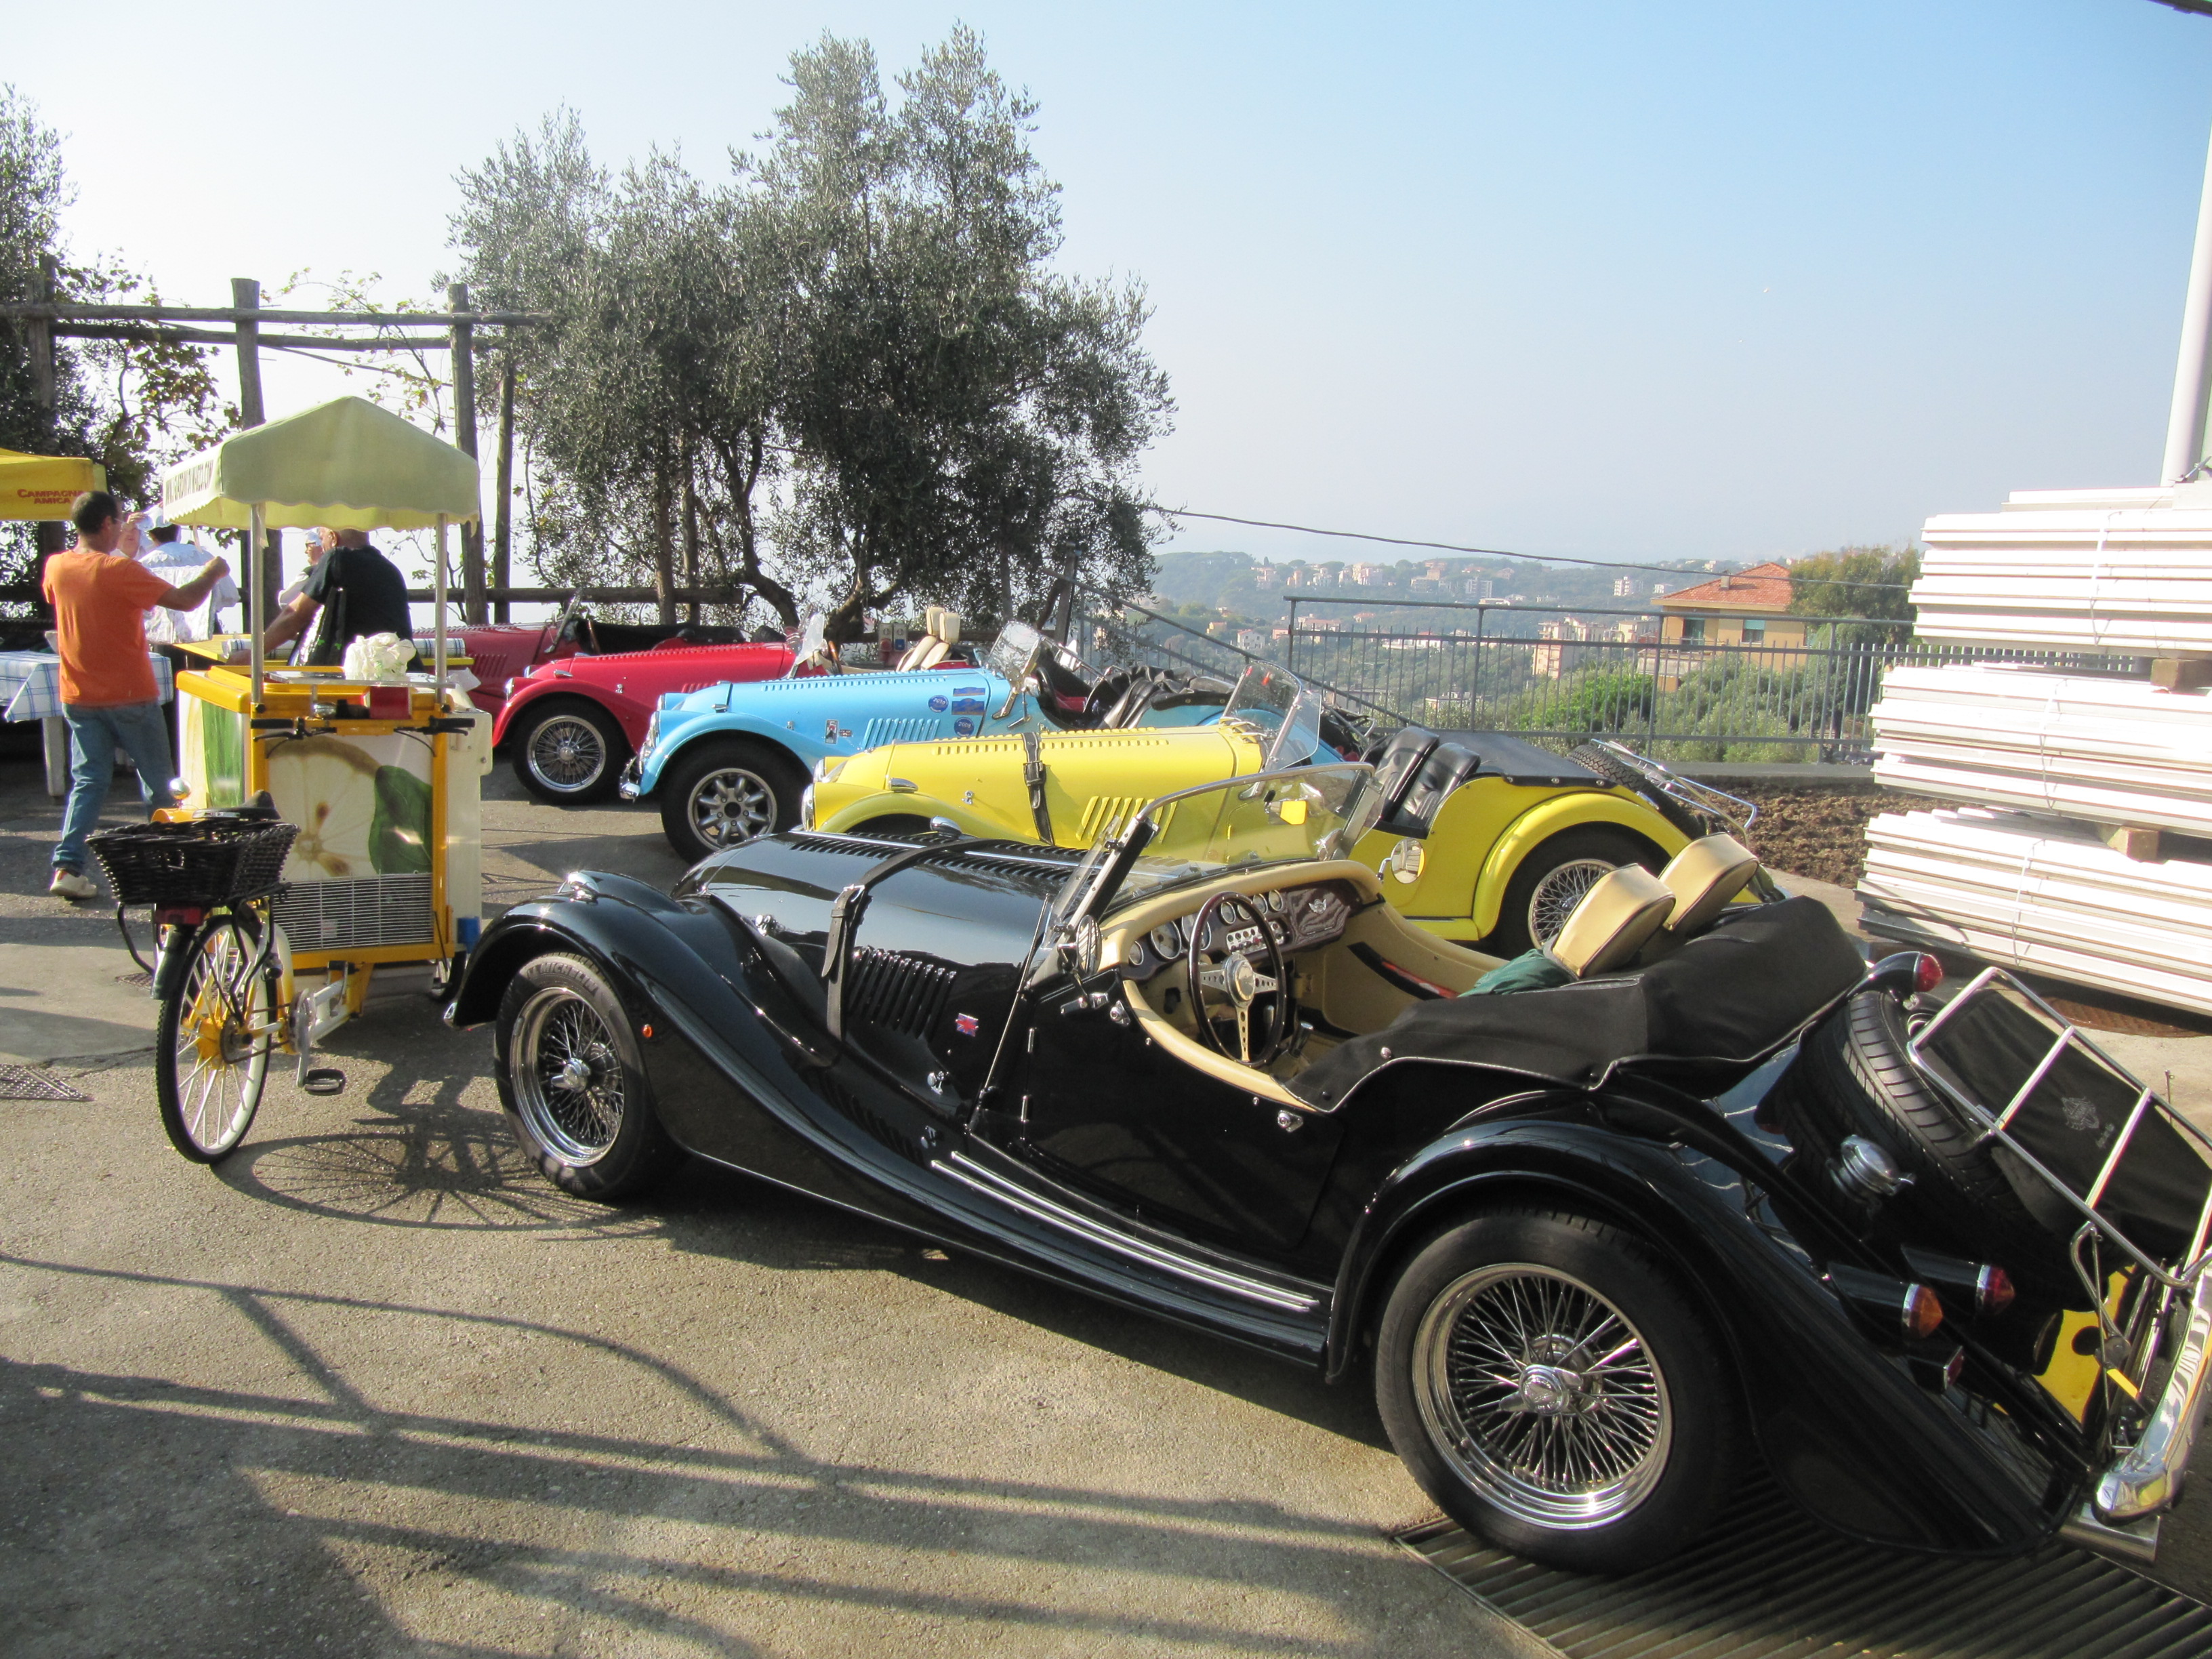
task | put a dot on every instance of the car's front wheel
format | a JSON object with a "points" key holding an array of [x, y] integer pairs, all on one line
{"points": [[568, 1068], [725, 792], [1550, 1386], [569, 751]]}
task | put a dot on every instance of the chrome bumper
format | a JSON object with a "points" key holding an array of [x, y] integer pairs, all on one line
{"points": [[2146, 1479], [627, 786]]}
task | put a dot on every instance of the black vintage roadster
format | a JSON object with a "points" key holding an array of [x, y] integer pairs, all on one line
{"points": [[1709, 1192]]}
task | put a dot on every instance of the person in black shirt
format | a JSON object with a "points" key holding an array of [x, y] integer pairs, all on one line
{"points": [[357, 591]]}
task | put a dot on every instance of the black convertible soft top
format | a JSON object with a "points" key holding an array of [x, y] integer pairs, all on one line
{"points": [[1725, 999]]}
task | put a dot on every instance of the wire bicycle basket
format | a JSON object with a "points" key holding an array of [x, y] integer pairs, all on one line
{"points": [[201, 861]]}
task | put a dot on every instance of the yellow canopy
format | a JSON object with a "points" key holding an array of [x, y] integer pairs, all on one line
{"points": [[43, 486], [346, 464]]}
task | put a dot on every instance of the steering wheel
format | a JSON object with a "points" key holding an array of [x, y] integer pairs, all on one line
{"points": [[1228, 977]]}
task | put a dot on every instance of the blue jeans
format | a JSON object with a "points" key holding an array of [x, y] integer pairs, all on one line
{"points": [[140, 732]]}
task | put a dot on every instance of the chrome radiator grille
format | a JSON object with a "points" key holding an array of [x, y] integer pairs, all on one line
{"points": [[341, 915]]}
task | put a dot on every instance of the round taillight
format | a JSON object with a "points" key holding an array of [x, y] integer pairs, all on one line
{"points": [[1921, 1312], [1927, 973], [1993, 1291]]}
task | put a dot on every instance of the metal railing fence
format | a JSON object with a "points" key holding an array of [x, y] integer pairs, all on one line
{"points": [[1609, 674]]}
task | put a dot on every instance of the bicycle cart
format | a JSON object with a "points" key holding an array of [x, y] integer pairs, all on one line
{"points": [[329, 827]]}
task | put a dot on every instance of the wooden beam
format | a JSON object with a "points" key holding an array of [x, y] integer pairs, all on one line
{"points": [[180, 336], [246, 297], [47, 535], [233, 314], [463, 345], [601, 595], [502, 539]]}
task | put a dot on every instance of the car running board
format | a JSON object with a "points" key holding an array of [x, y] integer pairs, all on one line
{"points": [[993, 1185]]}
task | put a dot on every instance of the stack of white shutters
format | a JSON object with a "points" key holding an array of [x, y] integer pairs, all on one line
{"points": [[2042, 764]]}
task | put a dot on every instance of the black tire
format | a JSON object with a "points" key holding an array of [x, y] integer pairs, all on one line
{"points": [[1528, 1290], [569, 750], [569, 1074], [1558, 870], [724, 792], [1853, 1078], [220, 1015]]}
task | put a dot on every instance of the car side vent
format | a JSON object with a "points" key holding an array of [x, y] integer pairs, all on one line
{"points": [[881, 732], [893, 989], [1104, 815]]}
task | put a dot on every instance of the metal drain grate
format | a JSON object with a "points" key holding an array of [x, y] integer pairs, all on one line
{"points": [[1770, 1583], [29, 1083]]}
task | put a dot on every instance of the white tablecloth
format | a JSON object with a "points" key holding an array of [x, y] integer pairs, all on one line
{"points": [[31, 687]]}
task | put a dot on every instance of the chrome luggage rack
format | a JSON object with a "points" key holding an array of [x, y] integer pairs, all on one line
{"points": [[1611, 759], [2145, 1478]]}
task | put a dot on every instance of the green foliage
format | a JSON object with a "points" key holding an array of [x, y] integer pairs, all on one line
{"points": [[847, 370], [1857, 582]]}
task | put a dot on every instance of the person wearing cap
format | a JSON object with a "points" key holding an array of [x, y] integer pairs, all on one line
{"points": [[100, 597], [162, 549]]}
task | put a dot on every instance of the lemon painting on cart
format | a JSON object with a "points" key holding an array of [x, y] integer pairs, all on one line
{"points": [[362, 805]]}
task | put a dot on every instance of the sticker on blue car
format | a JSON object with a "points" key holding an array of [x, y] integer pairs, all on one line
{"points": [[964, 726], [939, 704], [968, 705]]}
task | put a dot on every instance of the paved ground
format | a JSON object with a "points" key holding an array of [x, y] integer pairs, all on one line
{"points": [[374, 1388]]}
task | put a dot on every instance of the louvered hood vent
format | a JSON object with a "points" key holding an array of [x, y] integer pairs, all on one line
{"points": [[897, 991]]}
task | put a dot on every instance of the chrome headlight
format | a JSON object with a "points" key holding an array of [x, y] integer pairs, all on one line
{"points": [[806, 806], [827, 769], [651, 734]]}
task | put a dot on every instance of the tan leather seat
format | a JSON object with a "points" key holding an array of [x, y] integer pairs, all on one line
{"points": [[945, 625], [1704, 876], [920, 647], [1612, 922]]}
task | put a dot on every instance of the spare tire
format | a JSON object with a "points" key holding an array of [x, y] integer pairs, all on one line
{"points": [[1854, 1076]]}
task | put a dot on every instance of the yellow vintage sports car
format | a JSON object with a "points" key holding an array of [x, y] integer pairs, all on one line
{"points": [[1485, 838]]}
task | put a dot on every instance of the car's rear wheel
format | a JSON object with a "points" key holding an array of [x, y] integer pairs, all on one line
{"points": [[569, 1069], [569, 751], [1551, 1386], [1550, 880], [726, 792]]}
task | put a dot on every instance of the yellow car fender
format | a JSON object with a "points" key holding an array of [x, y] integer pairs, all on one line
{"points": [[970, 820], [1571, 811]]}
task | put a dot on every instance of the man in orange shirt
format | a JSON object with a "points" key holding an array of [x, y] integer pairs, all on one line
{"points": [[108, 695]]}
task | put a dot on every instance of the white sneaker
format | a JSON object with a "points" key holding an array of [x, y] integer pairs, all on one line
{"points": [[69, 885]]}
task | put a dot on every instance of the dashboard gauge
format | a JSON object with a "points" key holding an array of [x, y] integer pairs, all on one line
{"points": [[1276, 901], [1167, 940]]}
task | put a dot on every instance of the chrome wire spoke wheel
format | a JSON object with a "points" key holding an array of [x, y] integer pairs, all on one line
{"points": [[730, 806], [1559, 892], [568, 753], [567, 1076], [1542, 1396]]}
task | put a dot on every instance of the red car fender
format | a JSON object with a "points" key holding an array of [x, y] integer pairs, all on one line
{"points": [[630, 714], [629, 685]]}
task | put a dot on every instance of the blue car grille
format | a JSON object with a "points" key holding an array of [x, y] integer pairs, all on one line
{"points": [[892, 989]]}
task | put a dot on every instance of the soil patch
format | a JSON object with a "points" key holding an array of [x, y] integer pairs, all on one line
{"points": [[1817, 832]]}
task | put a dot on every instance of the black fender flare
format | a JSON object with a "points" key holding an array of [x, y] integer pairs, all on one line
{"points": [[1843, 1427]]}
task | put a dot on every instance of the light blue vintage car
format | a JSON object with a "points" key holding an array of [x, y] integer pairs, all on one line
{"points": [[727, 763]]}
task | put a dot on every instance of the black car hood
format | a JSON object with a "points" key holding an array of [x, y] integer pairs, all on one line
{"points": [[975, 902]]}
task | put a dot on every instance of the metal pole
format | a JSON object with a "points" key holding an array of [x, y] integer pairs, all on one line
{"points": [[1290, 642], [256, 600], [464, 439], [260, 565], [502, 526], [2192, 373], [438, 598]]}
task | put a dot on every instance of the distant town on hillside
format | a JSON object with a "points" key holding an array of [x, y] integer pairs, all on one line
{"points": [[1234, 591]]}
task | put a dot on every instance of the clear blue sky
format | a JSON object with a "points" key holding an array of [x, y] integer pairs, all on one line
{"points": [[1606, 279]]}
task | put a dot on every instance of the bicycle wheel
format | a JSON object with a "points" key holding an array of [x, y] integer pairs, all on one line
{"points": [[220, 1019]]}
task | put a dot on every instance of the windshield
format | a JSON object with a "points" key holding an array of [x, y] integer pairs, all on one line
{"points": [[1010, 654], [1276, 706], [1273, 818]]}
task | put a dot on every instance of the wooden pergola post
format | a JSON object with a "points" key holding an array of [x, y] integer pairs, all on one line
{"points": [[464, 439], [502, 520], [246, 295]]}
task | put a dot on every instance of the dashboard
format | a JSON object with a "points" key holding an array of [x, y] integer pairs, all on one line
{"points": [[1299, 918]]}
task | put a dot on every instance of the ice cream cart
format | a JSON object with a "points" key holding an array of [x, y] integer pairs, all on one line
{"points": [[374, 786]]}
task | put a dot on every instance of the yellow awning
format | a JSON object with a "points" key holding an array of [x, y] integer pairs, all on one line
{"points": [[43, 486], [346, 464]]}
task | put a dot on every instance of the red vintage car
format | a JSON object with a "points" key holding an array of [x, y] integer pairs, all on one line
{"points": [[575, 694]]}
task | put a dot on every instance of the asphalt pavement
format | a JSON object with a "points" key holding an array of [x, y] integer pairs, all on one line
{"points": [[375, 1387]]}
